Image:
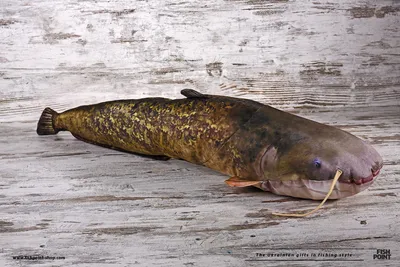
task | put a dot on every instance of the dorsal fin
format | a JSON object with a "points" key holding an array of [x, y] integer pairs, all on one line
{"points": [[190, 93]]}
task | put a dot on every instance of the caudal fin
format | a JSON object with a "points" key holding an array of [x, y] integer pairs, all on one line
{"points": [[45, 125]]}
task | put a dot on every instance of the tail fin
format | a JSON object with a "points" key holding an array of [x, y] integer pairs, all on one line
{"points": [[45, 125]]}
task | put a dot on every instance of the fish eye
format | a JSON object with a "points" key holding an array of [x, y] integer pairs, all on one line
{"points": [[317, 163]]}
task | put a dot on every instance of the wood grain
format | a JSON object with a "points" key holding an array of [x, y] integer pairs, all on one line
{"points": [[336, 63]]}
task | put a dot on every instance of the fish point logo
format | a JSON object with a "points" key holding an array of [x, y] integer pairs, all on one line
{"points": [[382, 254]]}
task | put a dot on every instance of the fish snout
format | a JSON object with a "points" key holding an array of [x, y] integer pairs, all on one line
{"points": [[377, 167], [362, 173], [360, 164]]}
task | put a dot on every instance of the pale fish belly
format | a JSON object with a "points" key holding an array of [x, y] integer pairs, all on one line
{"points": [[312, 189]]}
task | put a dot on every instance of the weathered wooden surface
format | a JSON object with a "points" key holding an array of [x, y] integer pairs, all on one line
{"points": [[337, 63]]}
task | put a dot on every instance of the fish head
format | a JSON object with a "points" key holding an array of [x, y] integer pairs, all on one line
{"points": [[306, 169]]}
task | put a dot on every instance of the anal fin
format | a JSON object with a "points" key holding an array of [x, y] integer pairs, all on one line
{"points": [[155, 157]]}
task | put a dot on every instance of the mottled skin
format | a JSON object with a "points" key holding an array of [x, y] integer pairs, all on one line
{"points": [[189, 129], [238, 137]]}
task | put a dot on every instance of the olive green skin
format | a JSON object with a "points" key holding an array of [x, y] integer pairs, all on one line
{"points": [[192, 129], [237, 137]]}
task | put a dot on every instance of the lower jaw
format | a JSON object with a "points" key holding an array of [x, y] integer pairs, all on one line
{"points": [[312, 189]]}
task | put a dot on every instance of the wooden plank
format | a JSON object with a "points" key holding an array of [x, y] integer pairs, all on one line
{"points": [[336, 63]]}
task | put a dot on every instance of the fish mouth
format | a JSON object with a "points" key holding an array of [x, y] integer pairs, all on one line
{"points": [[361, 181], [317, 189]]}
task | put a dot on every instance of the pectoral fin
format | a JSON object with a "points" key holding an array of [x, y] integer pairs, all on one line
{"points": [[239, 182]]}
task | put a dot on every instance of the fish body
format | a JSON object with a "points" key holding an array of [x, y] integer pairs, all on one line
{"points": [[257, 145]]}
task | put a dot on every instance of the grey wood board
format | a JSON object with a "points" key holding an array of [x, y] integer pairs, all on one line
{"points": [[336, 63]]}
